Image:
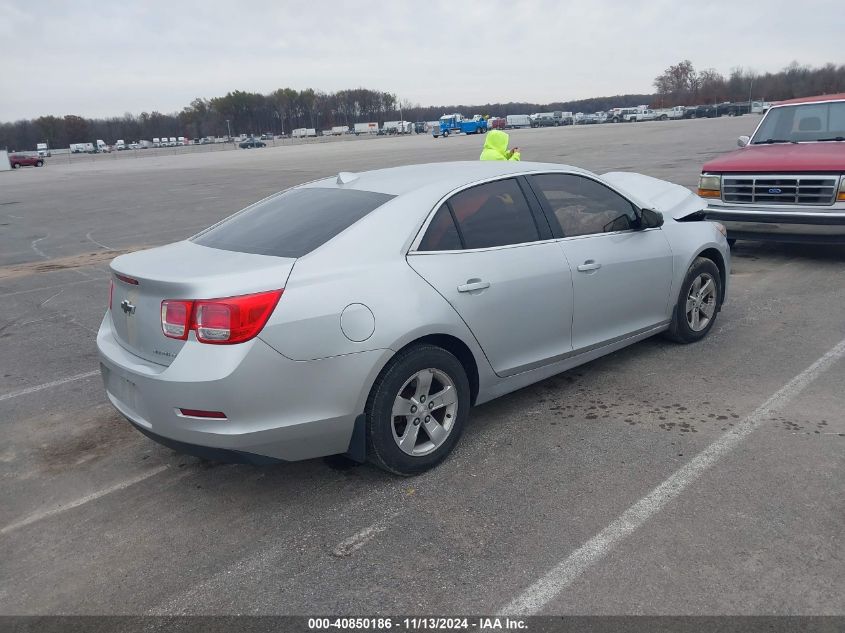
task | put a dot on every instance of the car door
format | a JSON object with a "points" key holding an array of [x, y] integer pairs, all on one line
{"points": [[621, 274], [492, 256]]}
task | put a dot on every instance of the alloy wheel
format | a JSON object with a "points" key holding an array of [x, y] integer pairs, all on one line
{"points": [[701, 302], [424, 412]]}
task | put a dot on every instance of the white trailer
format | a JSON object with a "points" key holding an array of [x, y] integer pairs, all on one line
{"points": [[310, 132], [518, 121], [338, 130], [299, 132], [366, 128]]}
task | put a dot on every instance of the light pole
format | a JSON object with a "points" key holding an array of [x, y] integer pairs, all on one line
{"points": [[750, 91], [229, 128]]}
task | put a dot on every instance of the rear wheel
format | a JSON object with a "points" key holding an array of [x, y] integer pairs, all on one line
{"points": [[39, 163], [698, 302], [417, 410]]}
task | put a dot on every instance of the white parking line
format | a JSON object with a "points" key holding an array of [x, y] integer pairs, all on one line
{"points": [[32, 518], [538, 595], [47, 385], [357, 541]]}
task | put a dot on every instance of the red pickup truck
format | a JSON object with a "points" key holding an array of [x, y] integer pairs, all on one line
{"points": [[787, 182], [22, 160]]}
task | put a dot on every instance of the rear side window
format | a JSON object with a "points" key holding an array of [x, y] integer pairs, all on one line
{"points": [[293, 223], [493, 214], [442, 234]]}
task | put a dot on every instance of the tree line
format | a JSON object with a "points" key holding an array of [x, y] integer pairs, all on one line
{"points": [[286, 109], [682, 84], [279, 112]]}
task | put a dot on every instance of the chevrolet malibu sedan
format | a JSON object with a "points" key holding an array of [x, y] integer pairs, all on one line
{"points": [[365, 314]]}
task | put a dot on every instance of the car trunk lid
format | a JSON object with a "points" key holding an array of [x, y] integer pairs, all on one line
{"points": [[184, 270]]}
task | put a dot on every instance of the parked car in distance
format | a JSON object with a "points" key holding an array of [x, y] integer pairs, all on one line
{"points": [[25, 160], [701, 112], [510, 268], [617, 115], [250, 143], [787, 181]]}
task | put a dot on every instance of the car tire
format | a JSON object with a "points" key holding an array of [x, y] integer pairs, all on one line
{"points": [[697, 302], [39, 163], [16, 165], [412, 443]]}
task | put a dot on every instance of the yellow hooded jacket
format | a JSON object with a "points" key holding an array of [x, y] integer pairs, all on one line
{"points": [[496, 147]]}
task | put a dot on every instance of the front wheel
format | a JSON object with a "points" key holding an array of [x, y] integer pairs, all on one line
{"points": [[698, 302], [416, 410]]}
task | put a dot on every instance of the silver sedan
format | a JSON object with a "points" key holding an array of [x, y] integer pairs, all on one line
{"points": [[364, 314]]}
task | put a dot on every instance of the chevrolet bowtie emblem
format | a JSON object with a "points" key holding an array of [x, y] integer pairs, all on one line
{"points": [[127, 307]]}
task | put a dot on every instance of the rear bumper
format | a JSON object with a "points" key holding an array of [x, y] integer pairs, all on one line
{"points": [[277, 409], [782, 226]]}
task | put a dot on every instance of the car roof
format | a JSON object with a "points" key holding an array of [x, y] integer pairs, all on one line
{"points": [[439, 177], [834, 97]]}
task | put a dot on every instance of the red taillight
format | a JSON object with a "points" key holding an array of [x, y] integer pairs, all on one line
{"points": [[111, 291], [199, 413], [176, 318], [219, 321], [235, 319]]}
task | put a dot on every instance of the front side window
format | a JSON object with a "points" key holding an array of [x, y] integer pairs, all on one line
{"points": [[583, 206], [493, 214]]}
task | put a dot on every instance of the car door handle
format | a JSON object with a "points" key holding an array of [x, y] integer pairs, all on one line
{"points": [[589, 265], [473, 284]]}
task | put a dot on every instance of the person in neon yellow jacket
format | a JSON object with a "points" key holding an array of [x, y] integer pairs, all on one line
{"points": [[496, 147]]}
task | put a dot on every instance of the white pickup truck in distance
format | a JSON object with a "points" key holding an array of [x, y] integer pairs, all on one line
{"points": [[641, 115], [664, 114]]}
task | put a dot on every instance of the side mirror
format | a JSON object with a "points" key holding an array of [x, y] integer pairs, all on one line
{"points": [[650, 219], [742, 141]]}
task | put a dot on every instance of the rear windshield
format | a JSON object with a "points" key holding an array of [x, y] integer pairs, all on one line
{"points": [[293, 223]]}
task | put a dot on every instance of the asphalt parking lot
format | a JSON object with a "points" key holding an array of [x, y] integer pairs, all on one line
{"points": [[552, 502]]}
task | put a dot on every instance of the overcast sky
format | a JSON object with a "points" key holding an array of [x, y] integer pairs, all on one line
{"points": [[108, 57]]}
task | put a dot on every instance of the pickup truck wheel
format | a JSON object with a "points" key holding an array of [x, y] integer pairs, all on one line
{"points": [[698, 302], [416, 410], [445, 132], [664, 118], [692, 116]]}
